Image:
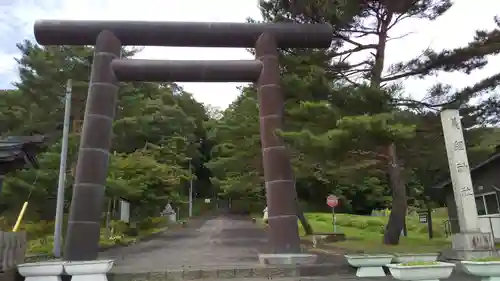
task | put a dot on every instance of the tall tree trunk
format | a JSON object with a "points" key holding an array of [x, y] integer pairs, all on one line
{"points": [[398, 211], [379, 56], [1, 182]]}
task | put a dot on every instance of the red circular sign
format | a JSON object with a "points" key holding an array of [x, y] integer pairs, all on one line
{"points": [[332, 201]]}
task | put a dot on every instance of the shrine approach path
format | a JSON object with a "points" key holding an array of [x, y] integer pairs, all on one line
{"points": [[216, 241]]}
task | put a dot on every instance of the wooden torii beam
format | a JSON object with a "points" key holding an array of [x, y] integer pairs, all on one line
{"points": [[81, 242]]}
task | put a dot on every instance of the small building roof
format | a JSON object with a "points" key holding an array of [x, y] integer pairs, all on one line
{"points": [[17, 151], [493, 159]]}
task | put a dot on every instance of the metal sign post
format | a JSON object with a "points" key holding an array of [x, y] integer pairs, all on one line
{"points": [[334, 221], [62, 173], [333, 202]]}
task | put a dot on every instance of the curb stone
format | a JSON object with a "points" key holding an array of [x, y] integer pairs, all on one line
{"points": [[268, 272], [259, 274], [8, 275]]}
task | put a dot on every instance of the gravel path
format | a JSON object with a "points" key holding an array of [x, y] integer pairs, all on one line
{"points": [[218, 241]]}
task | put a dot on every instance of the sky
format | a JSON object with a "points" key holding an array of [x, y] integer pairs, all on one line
{"points": [[455, 28]]}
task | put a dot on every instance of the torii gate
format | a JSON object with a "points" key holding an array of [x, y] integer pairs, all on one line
{"points": [[82, 237]]}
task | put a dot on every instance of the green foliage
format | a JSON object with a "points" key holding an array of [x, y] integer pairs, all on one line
{"points": [[237, 149], [41, 239], [341, 114], [38, 229], [487, 259], [143, 180], [367, 239], [41, 245], [152, 222], [117, 240], [375, 224], [124, 228], [419, 263], [158, 128]]}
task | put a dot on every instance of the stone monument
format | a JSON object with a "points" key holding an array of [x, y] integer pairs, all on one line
{"points": [[470, 242], [169, 213]]}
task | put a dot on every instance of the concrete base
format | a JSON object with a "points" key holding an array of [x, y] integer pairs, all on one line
{"points": [[275, 259], [95, 270], [471, 245], [370, 271], [41, 271]]}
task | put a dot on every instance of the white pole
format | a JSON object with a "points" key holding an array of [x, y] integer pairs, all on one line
{"points": [[190, 190], [62, 174]]}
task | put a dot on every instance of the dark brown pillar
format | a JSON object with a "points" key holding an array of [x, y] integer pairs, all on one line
{"points": [[82, 236], [280, 184], [2, 176]]}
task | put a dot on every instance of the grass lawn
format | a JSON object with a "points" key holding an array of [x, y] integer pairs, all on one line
{"points": [[364, 233], [41, 242]]}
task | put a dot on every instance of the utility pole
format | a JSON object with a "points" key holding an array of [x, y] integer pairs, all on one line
{"points": [[62, 173], [190, 190]]}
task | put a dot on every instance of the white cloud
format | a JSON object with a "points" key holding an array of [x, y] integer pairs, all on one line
{"points": [[216, 94], [455, 28]]}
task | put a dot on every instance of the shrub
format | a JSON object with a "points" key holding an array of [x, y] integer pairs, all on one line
{"points": [[423, 229], [322, 219], [412, 227], [39, 229], [376, 228], [375, 222], [437, 230], [145, 224], [117, 239], [159, 221], [382, 230], [41, 245], [119, 226], [131, 231], [152, 222], [438, 234], [106, 242], [123, 228], [345, 220], [4, 225], [360, 224]]}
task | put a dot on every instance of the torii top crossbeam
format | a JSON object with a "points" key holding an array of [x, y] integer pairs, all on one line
{"points": [[183, 34]]}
